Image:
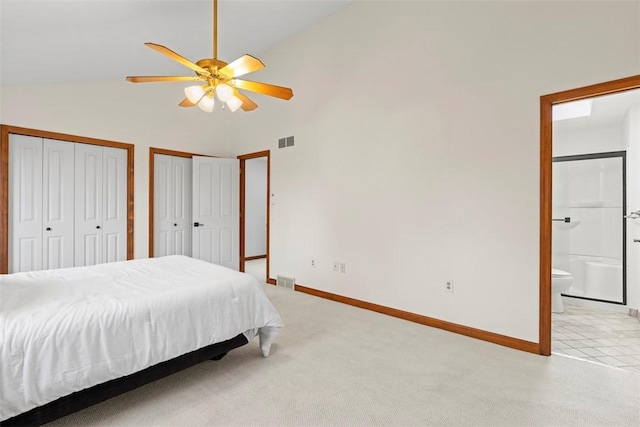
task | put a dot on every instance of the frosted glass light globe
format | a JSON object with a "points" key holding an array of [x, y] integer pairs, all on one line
{"points": [[224, 92], [234, 103], [206, 103], [194, 93]]}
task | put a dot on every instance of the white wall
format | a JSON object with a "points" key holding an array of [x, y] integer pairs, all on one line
{"points": [[581, 141], [417, 148], [255, 207], [417, 145], [144, 115]]}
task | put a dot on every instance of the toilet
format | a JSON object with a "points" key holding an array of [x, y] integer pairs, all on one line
{"points": [[561, 281]]}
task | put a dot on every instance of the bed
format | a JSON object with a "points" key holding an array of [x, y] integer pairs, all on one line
{"points": [[72, 337]]}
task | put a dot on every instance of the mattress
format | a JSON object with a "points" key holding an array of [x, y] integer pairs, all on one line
{"points": [[65, 330]]}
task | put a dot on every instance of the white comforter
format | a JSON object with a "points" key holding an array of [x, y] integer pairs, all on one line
{"points": [[65, 330]]}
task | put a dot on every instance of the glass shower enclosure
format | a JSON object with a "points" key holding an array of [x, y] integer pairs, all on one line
{"points": [[589, 231]]}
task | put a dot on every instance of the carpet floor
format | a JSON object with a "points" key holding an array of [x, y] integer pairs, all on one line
{"points": [[336, 365]]}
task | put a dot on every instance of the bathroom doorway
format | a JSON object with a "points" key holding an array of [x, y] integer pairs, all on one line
{"points": [[254, 213], [591, 206]]}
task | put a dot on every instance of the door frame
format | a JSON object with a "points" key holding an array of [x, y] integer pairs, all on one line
{"points": [[5, 130], [546, 157], [243, 158]]}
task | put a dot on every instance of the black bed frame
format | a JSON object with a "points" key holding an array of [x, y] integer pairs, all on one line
{"points": [[82, 399]]}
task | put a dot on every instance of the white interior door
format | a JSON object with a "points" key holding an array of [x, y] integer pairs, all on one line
{"points": [[114, 204], [172, 205], [216, 210], [25, 203], [162, 189], [88, 205], [182, 176], [57, 204]]}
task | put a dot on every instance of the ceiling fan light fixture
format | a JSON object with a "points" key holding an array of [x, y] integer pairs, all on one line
{"points": [[207, 103], [224, 92], [217, 78], [234, 103], [194, 93]]}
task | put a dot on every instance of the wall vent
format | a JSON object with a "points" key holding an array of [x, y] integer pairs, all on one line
{"points": [[286, 282], [285, 142]]}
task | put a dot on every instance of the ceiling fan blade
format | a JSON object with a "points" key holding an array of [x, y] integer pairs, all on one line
{"points": [[265, 89], [186, 103], [178, 58], [151, 79], [241, 66], [247, 104]]}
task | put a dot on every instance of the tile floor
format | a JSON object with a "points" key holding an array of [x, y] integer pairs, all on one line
{"points": [[597, 336]]}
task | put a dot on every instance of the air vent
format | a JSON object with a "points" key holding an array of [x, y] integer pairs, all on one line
{"points": [[285, 282], [285, 142]]}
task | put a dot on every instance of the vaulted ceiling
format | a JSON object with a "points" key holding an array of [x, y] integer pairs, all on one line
{"points": [[82, 40]]}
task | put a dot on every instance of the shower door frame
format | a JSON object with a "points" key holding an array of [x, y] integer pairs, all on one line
{"points": [[622, 155], [546, 143]]}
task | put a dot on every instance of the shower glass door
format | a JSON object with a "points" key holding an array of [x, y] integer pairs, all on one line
{"points": [[588, 224]]}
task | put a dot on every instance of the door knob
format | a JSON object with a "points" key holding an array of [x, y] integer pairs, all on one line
{"points": [[97, 226], [48, 228], [175, 225], [198, 224], [636, 240]]}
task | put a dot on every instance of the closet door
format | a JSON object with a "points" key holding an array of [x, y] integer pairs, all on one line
{"points": [[88, 205], [172, 205], [100, 205], [57, 204], [162, 242], [114, 204], [41, 199], [25, 203], [181, 194], [216, 212]]}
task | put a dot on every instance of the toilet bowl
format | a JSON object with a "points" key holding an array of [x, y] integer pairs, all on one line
{"points": [[560, 282]]}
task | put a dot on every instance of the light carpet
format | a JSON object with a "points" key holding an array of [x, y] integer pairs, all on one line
{"points": [[337, 365]]}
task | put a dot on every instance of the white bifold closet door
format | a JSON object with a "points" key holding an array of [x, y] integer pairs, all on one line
{"points": [[172, 176], [216, 212], [41, 211], [100, 204]]}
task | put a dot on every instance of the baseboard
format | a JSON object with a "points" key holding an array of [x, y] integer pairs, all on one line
{"points": [[515, 343], [251, 258]]}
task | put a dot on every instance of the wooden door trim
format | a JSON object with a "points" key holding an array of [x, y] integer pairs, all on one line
{"points": [[5, 131], [546, 154], [243, 158]]}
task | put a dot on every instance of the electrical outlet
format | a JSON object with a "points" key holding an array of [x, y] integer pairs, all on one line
{"points": [[336, 266], [343, 267], [448, 286], [313, 263]]}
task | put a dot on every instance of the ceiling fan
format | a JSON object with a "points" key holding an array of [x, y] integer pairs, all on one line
{"points": [[217, 77]]}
